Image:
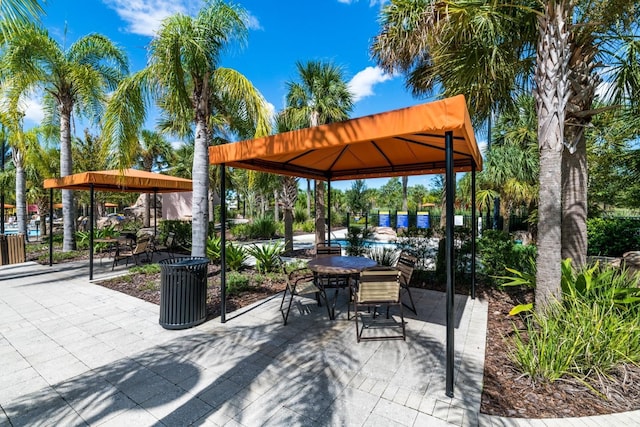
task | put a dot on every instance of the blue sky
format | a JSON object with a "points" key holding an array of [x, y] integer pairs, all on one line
{"points": [[281, 33]]}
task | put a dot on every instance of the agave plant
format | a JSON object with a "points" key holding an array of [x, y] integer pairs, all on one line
{"points": [[214, 248], [236, 256], [266, 256]]}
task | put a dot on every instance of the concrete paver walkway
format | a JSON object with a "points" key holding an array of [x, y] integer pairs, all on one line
{"points": [[75, 353]]}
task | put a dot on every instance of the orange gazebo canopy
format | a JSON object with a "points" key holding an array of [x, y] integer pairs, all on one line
{"points": [[127, 180], [409, 141]]}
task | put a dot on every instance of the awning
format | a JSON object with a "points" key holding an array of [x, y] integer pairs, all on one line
{"points": [[409, 141], [127, 180]]}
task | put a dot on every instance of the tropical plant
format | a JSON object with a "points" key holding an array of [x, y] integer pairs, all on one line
{"points": [[197, 95], [237, 256], [384, 255], [320, 96], [15, 13], [214, 248], [356, 237], [266, 256], [592, 332], [74, 79]]}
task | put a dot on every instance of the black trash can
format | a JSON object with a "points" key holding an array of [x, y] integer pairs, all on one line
{"points": [[183, 292]]}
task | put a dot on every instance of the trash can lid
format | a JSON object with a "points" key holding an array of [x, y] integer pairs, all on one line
{"points": [[185, 262]]}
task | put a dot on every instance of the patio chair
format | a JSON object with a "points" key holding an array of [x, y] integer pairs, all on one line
{"points": [[298, 283], [377, 287], [322, 249], [126, 251], [330, 281], [406, 263], [167, 246]]}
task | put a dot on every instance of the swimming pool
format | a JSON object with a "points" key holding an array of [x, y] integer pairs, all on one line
{"points": [[32, 233], [367, 243]]}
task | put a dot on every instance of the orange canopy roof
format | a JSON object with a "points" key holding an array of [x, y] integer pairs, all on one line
{"points": [[127, 180], [409, 141]]}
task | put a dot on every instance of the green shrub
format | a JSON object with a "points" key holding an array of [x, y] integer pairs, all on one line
{"points": [[498, 252], [591, 332], [612, 236], [266, 256], [237, 283], [462, 254], [306, 226], [145, 269], [181, 231], [300, 214], [241, 231]]}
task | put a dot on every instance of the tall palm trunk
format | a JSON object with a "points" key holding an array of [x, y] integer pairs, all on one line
{"points": [[320, 215], [289, 197], [66, 168], [146, 217], [405, 201], [308, 198], [551, 94], [584, 82], [21, 191], [200, 174]]}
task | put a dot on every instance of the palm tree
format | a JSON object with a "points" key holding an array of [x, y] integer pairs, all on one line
{"points": [[154, 152], [320, 96], [76, 78], [197, 95], [493, 49], [15, 13]]}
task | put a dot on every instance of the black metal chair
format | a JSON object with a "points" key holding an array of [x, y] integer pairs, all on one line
{"points": [[299, 282], [406, 264]]}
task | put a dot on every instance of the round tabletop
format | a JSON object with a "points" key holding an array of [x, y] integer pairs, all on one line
{"points": [[337, 264]]}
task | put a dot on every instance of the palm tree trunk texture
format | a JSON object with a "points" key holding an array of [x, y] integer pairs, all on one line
{"points": [[308, 198], [146, 221], [405, 184], [574, 203], [21, 193], [551, 94], [200, 203], [66, 168], [320, 224], [584, 82]]}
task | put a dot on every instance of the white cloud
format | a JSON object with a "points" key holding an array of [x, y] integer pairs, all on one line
{"points": [[361, 85], [33, 110], [144, 16], [252, 22]]}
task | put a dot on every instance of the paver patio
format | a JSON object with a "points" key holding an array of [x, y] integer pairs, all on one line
{"points": [[74, 353]]}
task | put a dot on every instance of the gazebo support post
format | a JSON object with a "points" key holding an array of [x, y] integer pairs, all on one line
{"points": [[328, 212], [223, 246], [50, 227], [474, 231], [91, 228], [450, 312]]}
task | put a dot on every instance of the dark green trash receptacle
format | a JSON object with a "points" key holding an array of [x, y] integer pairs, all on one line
{"points": [[183, 292]]}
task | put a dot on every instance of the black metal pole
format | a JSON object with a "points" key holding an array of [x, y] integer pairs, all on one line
{"points": [[474, 231], [449, 194], [329, 212], [223, 246], [50, 227], [91, 219]]}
